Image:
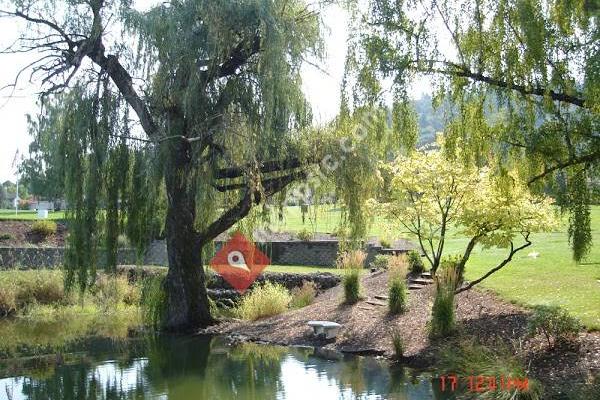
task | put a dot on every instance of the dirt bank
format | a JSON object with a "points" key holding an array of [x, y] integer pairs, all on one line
{"points": [[367, 327]]}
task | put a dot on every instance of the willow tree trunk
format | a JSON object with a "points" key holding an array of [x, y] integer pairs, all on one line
{"points": [[187, 305]]}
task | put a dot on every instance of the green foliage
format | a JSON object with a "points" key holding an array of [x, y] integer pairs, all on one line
{"points": [[397, 292], [123, 241], [397, 295], [351, 284], [20, 290], [304, 235], [398, 344], [380, 261], [454, 262], [415, 262], [520, 84], [44, 227], [580, 234], [385, 243], [41, 295], [351, 263], [304, 295], [432, 193], [554, 323], [153, 301], [443, 318], [110, 291], [466, 357], [264, 301], [5, 236]]}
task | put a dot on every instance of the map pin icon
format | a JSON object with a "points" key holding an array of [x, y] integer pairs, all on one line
{"points": [[236, 260]]}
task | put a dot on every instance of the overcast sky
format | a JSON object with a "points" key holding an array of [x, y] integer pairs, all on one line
{"points": [[321, 86]]}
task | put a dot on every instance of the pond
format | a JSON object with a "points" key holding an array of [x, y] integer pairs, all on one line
{"points": [[174, 368]]}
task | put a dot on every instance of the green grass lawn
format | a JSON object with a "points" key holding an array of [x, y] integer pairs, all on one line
{"points": [[28, 215], [552, 278]]}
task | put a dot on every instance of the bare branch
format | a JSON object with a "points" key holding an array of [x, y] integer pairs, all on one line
{"points": [[508, 259]]}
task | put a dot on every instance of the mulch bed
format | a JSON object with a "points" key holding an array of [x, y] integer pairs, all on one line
{"points": [[22, 236], [367, 328]]}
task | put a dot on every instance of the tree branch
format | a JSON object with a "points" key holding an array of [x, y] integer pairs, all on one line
{"points": [[508, 259], [453, 69], [265, 167], [243, 207], [573, 161]]}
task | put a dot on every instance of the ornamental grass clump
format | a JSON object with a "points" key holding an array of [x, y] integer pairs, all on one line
{"points": [[506, 372], [397, 295], [264, 301], [442, 314], [398, 345], [351, 263], [304, 295]]}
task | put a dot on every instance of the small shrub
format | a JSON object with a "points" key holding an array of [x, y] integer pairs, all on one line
{"points": [[385, 243], [380, 262], [442, 313], [264, 301], [415, 262], [21, 289], [5, 237], [554, 323], [110, 291], [123, 241], [304, 235], [304, 295], [351, 262], [341, 232], [44, 227], [8, 299], [398, 344]]}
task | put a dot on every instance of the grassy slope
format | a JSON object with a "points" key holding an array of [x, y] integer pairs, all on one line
{"points": [[552, 278]]}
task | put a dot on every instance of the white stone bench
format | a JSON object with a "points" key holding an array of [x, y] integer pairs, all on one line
{"points": [[328, 329]]}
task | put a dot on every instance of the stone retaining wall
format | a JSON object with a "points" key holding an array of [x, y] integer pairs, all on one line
{"points": [[321, 253], [50, 257]]}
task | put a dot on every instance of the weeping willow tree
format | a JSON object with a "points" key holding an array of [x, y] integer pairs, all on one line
{"points": [[522, 78], [218, 112], [195, 105]]}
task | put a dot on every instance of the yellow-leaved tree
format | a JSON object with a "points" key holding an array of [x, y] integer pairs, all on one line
{"points": [[432, 195]]}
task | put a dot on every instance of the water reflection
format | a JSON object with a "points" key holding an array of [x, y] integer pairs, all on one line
{"points": [[206, 368]]}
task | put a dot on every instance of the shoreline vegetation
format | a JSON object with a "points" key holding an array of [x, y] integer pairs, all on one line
{"points": [[37, 317], [491, 334]]}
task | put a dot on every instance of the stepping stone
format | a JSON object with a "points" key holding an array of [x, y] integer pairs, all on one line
{"points": [[375, 303], [420, 281], [414, 287], [327, 329], [381, 297], [426, 275]]}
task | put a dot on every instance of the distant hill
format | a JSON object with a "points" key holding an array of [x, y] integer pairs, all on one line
{"points": [[431, 120]]}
